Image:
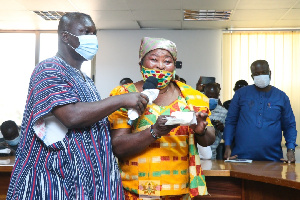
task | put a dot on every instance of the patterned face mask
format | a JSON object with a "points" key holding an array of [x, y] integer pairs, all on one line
{"points": [[164, 77]]}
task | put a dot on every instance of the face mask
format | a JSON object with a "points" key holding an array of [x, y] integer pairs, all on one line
{"points": [[164, 77], [88, 46], [262, 81], [13, 142], [213, 103]]}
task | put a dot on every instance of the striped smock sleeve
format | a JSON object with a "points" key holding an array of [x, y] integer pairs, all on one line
{"points": [[119, 118], [50, 87]]}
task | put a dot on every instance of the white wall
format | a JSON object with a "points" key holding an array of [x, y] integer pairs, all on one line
{"points": [[199, 51]]}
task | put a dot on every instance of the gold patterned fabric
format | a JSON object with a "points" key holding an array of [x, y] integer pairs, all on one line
{"points": [[171, 164]]}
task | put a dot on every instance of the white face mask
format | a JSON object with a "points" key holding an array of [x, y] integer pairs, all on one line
{"points": [[88, 46], [262, 81]]}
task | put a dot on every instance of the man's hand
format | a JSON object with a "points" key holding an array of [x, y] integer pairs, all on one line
{"points": [[227, 154], [219, 125], [135, 100], [290, 154]]}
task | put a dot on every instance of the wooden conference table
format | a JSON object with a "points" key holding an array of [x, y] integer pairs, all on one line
{"points": [[227, 181], [6, 166], [259, 180]]}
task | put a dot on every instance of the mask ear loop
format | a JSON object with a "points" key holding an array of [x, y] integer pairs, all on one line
{"points": [[174, 72], [71, 46], [72, 35], [174, 75]]}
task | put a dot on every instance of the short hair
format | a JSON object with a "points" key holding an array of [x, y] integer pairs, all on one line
{"points": [[69, 18], [239, 84], [261, 62], [6, 128], [125, 81], [215, 86]]}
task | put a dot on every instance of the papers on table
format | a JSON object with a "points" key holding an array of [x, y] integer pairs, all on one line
{"points": [[4, 161], [5, 151], [239, 161]]}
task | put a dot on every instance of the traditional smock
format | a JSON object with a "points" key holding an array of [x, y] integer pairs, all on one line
{"points": [[79, 166], [170, 165]]}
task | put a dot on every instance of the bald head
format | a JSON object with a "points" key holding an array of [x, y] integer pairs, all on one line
{"points": [[259, 63], [260, 67], [67, 20], [70, 27]]}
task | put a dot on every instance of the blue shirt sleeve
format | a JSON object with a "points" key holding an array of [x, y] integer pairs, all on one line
{"points": [[288, 124], [231, 119]]}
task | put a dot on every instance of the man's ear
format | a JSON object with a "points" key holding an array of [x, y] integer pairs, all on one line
{"points": [[270, 74], [65, 37], [252, 77]]}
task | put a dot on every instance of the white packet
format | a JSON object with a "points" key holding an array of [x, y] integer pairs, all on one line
{"points": [[182, 118]]}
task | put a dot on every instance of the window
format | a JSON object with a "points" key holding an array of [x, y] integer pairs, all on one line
{"points": [[48, 45], [18, 53], [18, 61]]}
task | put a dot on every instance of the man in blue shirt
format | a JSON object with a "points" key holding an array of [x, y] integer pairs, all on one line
{"points": [[256, 118]]}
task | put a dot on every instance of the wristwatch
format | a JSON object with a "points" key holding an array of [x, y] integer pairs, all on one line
{"points": [[153, 133], [293, 150]]}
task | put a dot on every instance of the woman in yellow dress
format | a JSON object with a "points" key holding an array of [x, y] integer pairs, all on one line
{"points": [[161, 161]]}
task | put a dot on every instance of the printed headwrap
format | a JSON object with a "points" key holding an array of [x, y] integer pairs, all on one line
{"points": [[148, 44]]}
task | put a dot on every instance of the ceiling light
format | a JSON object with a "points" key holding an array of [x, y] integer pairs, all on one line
{"points": [[50, 15], [206, 15]]}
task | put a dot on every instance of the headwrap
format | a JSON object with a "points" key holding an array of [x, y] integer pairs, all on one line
{"points": [[148, 44]]}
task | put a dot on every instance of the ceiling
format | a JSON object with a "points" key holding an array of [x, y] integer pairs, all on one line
{"points": [[154, 14]]}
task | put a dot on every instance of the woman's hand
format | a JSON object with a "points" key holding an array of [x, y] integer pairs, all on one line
{"points": [[204, 135], [160, 128], [126, 144], [201, 123]]}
